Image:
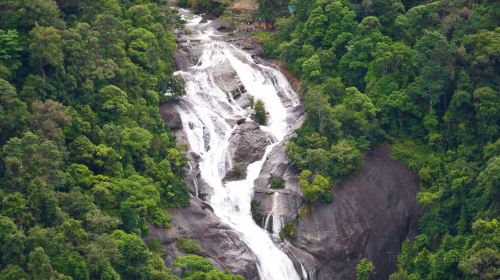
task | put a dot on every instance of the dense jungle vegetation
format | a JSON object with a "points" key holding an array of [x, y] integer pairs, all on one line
{"points": [[86, 161], [423, 76]]}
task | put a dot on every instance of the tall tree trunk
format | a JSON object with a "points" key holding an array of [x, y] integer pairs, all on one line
{"points": [[42, 70]]}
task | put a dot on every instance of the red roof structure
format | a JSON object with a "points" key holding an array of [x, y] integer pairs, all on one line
{"points": [[244, 6]]}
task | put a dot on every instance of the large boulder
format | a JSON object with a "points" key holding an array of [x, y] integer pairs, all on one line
{"points": [[219, 243], [247, 144], [170, 115], [220, 24], [372, 213], [182, 58]]}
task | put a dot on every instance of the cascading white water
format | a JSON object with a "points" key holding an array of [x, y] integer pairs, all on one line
{"points": [[208, 115]]}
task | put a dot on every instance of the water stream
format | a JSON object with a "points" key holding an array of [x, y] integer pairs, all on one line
{"points": [[209, 115]]}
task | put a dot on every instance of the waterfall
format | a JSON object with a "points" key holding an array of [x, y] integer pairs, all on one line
{"points": [[209, 115]]}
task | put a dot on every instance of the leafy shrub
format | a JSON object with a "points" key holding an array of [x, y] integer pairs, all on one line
{"points": [[315, 188], [364, 269], [289, 230], [188, 245], [260, 112], [277, 183]]}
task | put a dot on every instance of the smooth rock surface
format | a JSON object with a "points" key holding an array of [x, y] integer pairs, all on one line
{"points": [[170, 115], [247, 144], [219, 243], [372, 213]]}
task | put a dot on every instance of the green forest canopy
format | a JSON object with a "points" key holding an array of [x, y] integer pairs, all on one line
{"points": [[87, 164], [424, 76]]}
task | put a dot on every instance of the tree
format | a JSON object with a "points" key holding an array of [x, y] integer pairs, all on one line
{"points": [[487, 104], [489, 179], [137, 140], [82, 145], [364, 269], [113, 100], [14, 206], [13, 112], [482, 259], [24, 15], [82, 150], [345, 158], [315, 26], [483, 48], [191, 264], [46, 47], [394, 62], [32, 159], [188, 245], [39, 265], [102, 251], [48, 118], [311, 68], [433, 58], [356, 113], [260, 112], [73, 265], [416, 20], [133, 259], [11, 243], [317, 160], [11, 47], [319, 111], [386, 11], [143, 48], [13, 272], [354, 63], [99, 222], [314, 189]]}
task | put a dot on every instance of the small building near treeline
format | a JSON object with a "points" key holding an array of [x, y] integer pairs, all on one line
{"points": [[245, 15]]}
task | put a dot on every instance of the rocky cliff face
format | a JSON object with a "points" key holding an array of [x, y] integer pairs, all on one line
{"points": [[372, 213], [219, 243]]}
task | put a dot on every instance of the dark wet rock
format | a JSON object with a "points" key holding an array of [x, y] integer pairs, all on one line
{"points": [[220, 24], [226, 78], [246, 42], [236, 173], [188, 53], [238, 90], [197, 186], [372, 213], [219, 243], [181, 59], [248, 143], [170, 115]]}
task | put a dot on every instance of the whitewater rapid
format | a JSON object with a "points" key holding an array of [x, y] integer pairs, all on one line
{"points": [[209, 115]]}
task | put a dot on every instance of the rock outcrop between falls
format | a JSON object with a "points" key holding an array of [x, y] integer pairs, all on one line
{"points": [[219, 243], [372, 213], [247, 144]]}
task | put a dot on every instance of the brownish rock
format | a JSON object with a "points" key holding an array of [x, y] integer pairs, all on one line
{"points": [[372, 213], [219, 243]]}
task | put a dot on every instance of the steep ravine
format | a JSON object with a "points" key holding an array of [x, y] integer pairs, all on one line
{"points": [[372, 212]]}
